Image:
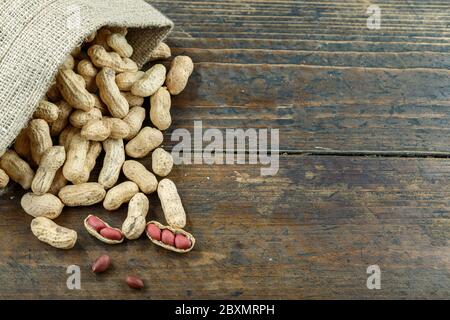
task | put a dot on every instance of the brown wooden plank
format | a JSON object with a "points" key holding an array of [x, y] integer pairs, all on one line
{"points": [[313, 86], [394, 60], [316, 72], [310, 45], [322, 108], [297, 19], [309, 232]]}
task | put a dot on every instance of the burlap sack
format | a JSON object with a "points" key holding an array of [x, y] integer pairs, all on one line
{"points": [[37, 35]]}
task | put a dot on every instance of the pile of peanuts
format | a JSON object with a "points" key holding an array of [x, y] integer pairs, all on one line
{"points": [[95, 104]]}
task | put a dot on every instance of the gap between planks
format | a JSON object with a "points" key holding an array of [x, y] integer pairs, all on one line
{"points": [[346, 153]]}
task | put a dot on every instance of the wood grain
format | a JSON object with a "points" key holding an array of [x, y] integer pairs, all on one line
{"points": [[331, 86], [309, 232], [346, 109], [316, 72]]}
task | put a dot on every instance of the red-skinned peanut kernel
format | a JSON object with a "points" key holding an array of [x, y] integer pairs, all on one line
{"points": [[154, 232], [101, 264], [111, 234], [168, 237], [134, 282], [96, 223], [182, 242]]}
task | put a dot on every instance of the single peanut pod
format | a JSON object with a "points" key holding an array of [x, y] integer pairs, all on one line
{"points": [[152, 80], [126, 80], [160, 104], [133, 101], [162, 162], [53, 94], [181, 69], [171, 204], [95, 148], [59, 181], [90, 37], [66, 136], [80, 118], [100, 38], [120, 194], [134, 224], [96, 130], [161, 52], [119, 44], [73, 88], [104, 59], [134, 119], [112, 163], [119, 128], [22, 144], [144, 142], [52, 159], [49, 232], [4, 179], [45, 205], [63, 118], [136, 172], [76, 158], [47, 111], [40, 139], [84, 194], [110, 94], [96, 233], [17, 169], [175, 231], [69, 63]]}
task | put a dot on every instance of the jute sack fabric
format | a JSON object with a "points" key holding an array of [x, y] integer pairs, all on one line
{"points": [[37, 35]]}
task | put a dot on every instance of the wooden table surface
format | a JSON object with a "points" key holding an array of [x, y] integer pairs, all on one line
{"points": [[364, 119]]}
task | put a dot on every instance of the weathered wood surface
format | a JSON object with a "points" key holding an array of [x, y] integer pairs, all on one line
{"points": [[313, 70], [309, 232]]}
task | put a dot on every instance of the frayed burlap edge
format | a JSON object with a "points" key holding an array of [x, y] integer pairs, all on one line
{"points": [[37, 35]]}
